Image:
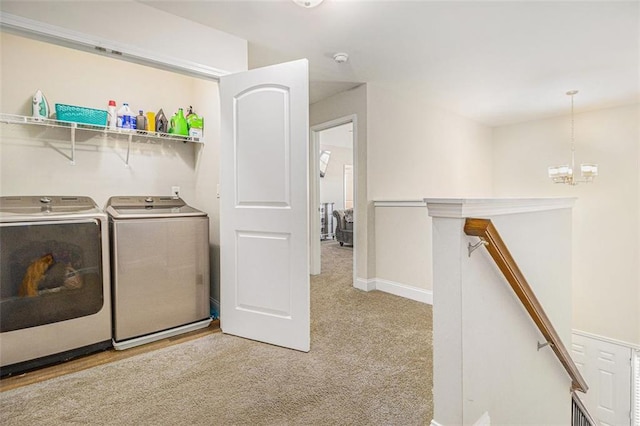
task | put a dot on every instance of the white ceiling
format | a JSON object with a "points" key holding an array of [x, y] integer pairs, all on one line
{"points": [[495, 62]]}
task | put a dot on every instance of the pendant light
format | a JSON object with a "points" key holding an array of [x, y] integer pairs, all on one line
{"points": [[565, 173]]}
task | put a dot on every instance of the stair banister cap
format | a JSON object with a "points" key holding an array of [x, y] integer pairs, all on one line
{"points": [[482, 207]]}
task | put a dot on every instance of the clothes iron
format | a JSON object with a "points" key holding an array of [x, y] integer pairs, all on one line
{"points": [[39, 106]]}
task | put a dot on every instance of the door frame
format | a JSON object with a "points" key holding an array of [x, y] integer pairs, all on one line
{"points": [[314, 190]]}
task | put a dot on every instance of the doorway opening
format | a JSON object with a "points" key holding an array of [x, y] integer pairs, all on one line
{"points": [[333, 188]]}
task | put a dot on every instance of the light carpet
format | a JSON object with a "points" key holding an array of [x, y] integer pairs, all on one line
{"points": [[370, 364]]}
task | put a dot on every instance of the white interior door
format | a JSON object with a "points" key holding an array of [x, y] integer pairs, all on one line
{"points": [[606, 367], [348, 186], [264, 246]]}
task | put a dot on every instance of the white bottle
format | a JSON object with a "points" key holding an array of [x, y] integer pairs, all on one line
{"points": [[113, 118], [125, 118]]}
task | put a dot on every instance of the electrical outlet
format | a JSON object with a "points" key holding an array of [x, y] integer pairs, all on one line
{"points": [[175, 191]]}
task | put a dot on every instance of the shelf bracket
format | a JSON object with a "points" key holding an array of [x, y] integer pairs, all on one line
{"points": [[126, 163], [73, 143]]}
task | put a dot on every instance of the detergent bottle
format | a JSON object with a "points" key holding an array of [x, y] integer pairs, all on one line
{"points": [[125, 117], [195, 124], [113, 116], [141, 122], [178, 124]]}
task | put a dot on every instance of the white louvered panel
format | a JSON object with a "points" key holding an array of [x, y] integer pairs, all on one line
{"points": [[636, 388]]}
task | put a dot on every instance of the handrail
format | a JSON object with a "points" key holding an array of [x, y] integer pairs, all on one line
{"points": [[484, 229]]}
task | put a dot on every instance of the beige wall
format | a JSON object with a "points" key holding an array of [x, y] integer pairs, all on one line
{"points": [[606, 254], [403, 251], [418, 151], [33, 159]]}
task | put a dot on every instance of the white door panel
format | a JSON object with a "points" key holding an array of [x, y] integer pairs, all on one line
{"points": [[252, 294], [264, 213], [607, 369], [263, 152]]}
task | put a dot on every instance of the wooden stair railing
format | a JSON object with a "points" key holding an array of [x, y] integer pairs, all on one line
{"points": [[484, 229]]}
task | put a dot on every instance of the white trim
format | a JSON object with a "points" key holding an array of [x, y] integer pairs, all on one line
{"points": [[607, 339], [71, 38], [314, 203], [434, 423], [137, 341], [399, 203], [474, 207], [484, 420], [398, 289], [364, 284], [403, 290], [335, 123]]}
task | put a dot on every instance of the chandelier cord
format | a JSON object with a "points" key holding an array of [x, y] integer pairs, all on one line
{"points": [[573, 145], [572, 134]]}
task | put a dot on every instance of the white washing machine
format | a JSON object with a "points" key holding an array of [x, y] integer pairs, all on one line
{"points": [[160, 268], [55, 297]]}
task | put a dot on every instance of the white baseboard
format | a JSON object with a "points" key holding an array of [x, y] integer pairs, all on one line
{"points": [[398, 289], [484, 420], [365, 285], [148, 338]]}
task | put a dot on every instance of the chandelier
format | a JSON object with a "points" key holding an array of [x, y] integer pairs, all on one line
{"points": [[565, 172]]}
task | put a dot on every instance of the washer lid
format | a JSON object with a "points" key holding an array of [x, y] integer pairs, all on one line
{"points": [[45, 204], [137, 201], [137, 207]]}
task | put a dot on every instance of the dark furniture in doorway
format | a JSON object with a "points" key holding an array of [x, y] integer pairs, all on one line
{"points": [[344, 226]]}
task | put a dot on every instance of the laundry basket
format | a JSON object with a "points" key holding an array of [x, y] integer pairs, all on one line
{"points": [[81, 115]]}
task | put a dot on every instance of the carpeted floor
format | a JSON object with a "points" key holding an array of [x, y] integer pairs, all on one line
{"points": [[370, 364]]}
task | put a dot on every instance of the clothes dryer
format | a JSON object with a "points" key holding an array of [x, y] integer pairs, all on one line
{"points": [[55, 298]]}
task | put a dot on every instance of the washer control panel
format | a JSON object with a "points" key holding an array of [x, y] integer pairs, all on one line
{"points": [[145, 201]]}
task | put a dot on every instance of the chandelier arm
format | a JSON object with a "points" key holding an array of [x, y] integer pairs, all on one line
{"points": [[573, 144]]}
